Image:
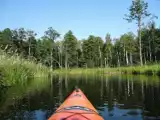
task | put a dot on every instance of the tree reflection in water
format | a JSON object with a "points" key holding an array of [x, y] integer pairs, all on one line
{"points": [[115, 97]]}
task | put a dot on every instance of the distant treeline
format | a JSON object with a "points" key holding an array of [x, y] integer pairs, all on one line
{"points": [[91, 52]]}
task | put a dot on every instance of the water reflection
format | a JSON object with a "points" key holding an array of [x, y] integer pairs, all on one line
{"points": [[115, 97]]}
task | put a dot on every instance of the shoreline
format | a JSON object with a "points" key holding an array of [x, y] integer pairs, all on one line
{"points": [[148, 70]]}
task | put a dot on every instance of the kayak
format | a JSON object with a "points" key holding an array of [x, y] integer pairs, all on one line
{"points": [[76, 107]]}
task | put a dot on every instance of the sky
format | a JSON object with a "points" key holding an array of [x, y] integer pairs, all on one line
{"points": [[83, 17]]}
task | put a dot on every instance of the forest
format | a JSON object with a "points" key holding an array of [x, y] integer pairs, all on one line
{"points": [[91, 52]]}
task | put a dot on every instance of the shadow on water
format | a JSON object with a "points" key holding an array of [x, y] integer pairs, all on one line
{"points": [[115, 97]]}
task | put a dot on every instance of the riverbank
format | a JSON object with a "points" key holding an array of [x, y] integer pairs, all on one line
{"points": [[14, 69], [143, 70], [135, 70]]}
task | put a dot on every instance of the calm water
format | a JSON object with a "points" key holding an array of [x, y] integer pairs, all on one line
{"points": [[116, 98]]}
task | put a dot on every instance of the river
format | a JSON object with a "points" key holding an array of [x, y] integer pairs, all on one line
{"points": [[115, 97]]}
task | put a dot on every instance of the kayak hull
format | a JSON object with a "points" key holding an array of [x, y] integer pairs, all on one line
{"points": [[76, 107]]}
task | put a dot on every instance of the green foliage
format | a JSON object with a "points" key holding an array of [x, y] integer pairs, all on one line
{"points": [[70, 49], [92, 51], [107, 51], [14, 69], [51, 34], [137, 10], [151, 42]]}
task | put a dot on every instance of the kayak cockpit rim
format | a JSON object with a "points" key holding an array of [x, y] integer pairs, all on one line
{"points": [[76, 108]]}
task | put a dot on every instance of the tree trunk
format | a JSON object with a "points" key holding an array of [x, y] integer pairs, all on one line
{"points": [[110, 56], [145, 59], [155, 58], [140, 42], [77, 60], [127, 58], [150, 52], [100, 57], [105, 62], [61, 61], [147, 55], [60, 65], [66, 61], [154, 47], [118, 59], [131, 59], [124, 54], [124, 51], [29, 50], [51, 55]]}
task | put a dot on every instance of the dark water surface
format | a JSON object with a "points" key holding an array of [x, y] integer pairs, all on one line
{"points": [[115, 97]]}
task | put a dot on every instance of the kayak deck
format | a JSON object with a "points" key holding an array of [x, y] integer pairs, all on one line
{"points": [[76, 107]]}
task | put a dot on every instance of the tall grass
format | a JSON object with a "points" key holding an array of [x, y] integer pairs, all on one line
{"points": [[14, 69], [79, 71], [144, 70]]}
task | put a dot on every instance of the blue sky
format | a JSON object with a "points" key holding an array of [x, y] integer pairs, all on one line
{"points": [[83, 17]]}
